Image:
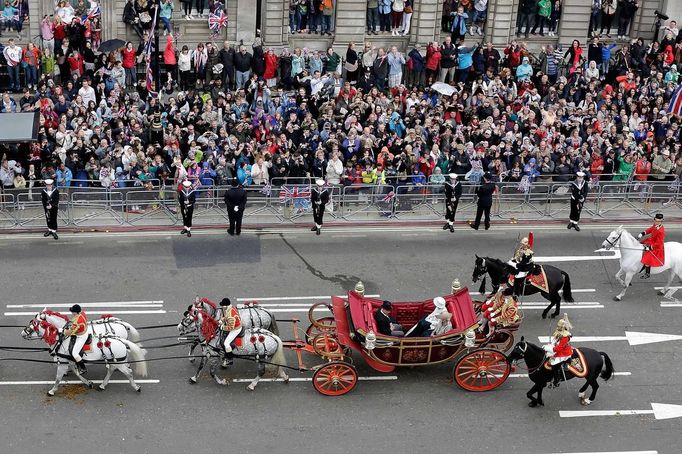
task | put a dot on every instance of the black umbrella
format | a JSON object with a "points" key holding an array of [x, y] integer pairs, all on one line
{"points": [[111, 45]]}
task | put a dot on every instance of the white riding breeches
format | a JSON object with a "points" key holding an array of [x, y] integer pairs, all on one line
{"points": [[231, 336], [558, 359], [521, 274], [78, 346]]}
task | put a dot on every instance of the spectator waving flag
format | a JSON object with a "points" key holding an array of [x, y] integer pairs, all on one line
{"points": [[93, 12], [217, 20], [675, 106], [149, 76]]}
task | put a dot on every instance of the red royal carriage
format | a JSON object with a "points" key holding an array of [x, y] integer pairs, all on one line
{"points": [[480, 360]]}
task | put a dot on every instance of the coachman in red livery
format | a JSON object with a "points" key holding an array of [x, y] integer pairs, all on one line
{"points": [[653, 240]]}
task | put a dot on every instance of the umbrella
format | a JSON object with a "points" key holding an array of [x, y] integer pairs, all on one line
{"points": [[111, 45], [443, 88]]}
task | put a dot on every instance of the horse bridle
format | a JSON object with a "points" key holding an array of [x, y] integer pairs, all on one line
{"points": [[614, 242], [483, 269], [535, 369]]}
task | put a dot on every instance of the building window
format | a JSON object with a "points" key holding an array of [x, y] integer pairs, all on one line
{"points": [[316, 16], [386, 16]]}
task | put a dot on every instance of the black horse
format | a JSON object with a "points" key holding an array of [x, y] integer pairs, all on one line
{"points": [[535, 357], [498, 270]]}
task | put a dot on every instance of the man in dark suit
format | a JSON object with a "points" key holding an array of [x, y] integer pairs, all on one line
{"points": [[485, 201], [50, 199], [386, 324], [186, 199], [319, 197], [235, 201], [453, 191]]}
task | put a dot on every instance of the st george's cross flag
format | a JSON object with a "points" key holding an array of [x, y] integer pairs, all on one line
{"points": [[675, 106]]}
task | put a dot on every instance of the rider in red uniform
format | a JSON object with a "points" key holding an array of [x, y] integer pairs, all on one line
{"points": [[653, 240], [78, 328], [559, 349]]}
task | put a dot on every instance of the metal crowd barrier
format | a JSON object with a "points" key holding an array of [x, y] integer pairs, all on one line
{"points": [[287, 200]]}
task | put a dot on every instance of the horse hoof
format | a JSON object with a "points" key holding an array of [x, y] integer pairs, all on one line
{"points": [[286, 380], [50, 393], [660, 292], [192, 381], [542, 404], [138, 389], [192, 360], [89, 385], [585, 402], [100, 388], [250, 388], [532, 404], [554, 315], [544, 315], [617, 298]]}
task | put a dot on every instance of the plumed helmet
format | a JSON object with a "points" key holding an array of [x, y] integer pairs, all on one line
{"points": [[225, 302], [76, 309]]}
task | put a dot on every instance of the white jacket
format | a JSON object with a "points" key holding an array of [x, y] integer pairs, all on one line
{"points": [[334, 171]]}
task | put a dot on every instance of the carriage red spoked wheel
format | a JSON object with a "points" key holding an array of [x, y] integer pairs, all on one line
{"points": [[326, 345], [335, 379], [481, 370], [312, 330]]}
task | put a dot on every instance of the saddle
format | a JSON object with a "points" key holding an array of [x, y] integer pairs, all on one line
{"points": [[237, 342], [537, 278], [86, 346], [577, 365]]}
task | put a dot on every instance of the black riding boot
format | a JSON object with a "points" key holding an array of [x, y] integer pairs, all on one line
{"points": [[229, 358], [647, 272], [556, 371]]}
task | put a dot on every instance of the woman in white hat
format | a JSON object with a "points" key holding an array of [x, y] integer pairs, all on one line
{"points": [[50, 199], [427, 325], [578, 196]]}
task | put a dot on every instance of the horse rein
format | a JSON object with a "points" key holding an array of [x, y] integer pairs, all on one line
{"points": [[614, 242], [530, 370]]}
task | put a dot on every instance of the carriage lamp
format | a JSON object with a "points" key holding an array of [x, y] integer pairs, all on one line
{"points": [[470, 339], [456, 286], [360, 288], [370, 340]]}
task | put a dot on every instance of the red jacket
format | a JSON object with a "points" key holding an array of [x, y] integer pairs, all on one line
{"points": [[169, 52], [433, 60], [270, 66], [656, 256], [129, 57], [563, 347]]}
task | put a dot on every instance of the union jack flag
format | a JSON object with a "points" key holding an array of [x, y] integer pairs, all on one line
{"points": [[675, 106], [390, 196], [217, 20], [266, 190], [294, 193], [94, 12]]}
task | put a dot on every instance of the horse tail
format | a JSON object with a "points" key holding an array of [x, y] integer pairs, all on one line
{"points": [[138, 355], [568, 294], [607, 373], [134, 334], [481, 288]]}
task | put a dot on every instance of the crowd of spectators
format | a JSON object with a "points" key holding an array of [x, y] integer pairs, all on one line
{"points": [[369, 118]]}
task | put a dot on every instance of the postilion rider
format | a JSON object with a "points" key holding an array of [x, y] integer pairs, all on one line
{"points": [[77, 328], [653, 240], [559, 348], [522, 262], [230, 325]]}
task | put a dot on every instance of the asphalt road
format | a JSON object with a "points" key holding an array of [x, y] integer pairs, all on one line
{"points": [[419, 411]]}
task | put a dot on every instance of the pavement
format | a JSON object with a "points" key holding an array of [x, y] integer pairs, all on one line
{"points": [[152, 276]]}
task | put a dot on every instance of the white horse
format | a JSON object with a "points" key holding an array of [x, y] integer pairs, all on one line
{"points": [[251, 315], [631, 255], [258, 344], [106, 325], [106, 348]]}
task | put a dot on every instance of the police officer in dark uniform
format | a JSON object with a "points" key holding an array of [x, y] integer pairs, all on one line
{"points": [[485, 201], [235, 201], [50, 199], [319, 197], [453, 191], [187, 198], [578, 196]]}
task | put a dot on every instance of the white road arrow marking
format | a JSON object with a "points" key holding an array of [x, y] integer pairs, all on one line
{"points": [[660, 411], [633, 338]]}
